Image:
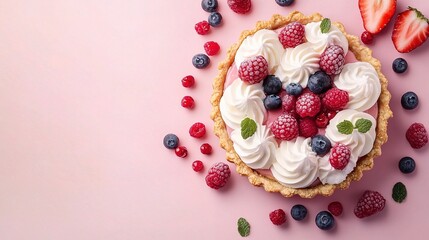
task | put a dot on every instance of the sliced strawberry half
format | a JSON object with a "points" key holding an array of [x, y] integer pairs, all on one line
{"points": [[376, 14], [410, 31]]}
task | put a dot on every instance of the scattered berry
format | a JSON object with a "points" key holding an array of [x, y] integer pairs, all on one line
{"points": [[211, 48], [407, 165], [240, 6], [332, 60], [197, 166], [285, 127], [340, 156], [197, 130], [206, 149], [294, 89], [308, 105], [335, 99], [399, 65], [409, 100], [272, 102], [181, 152], [307, 127], [253, 70], [284, 3], [188, 102], [336, 208], [272, 85], [298, 212], [322, 120], [319, 82], [367, 37], [209, 5], [188, 81], [171, 141], [288, 104], [278, 217], [320, 145], [218, 175], [325, 220], [417, 135], [370, 203], [200, 61], [202, 27], [215, 19], [292, 35]]}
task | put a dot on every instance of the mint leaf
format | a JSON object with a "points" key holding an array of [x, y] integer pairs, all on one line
{"points": [[363, 125], [345, 127], [243, 227], [248, 128], [399, 192], [325, 25]]}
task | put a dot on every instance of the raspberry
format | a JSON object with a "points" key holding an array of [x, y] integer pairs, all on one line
{"points": [[307, 127], [206, 149], [336, 208], [188, 102], [367, 37], [202, 27], [335, 99], [197, 130], [292, 35], [332, 60], [285, 127], [288, 103], [253, 70], [181, 152], [417, 135], [218, 175], [278, 217], [211, 48], [340, 156], [188, 81], [322, 120], [331, 114], [197, 166], [308, 105], [370, 203], [240, 6]]}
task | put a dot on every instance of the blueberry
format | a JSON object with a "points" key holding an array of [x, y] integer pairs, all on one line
{"points": [[171, 141], [298, 212], [325, 220], [272, 102], [320, 145], [209, 5], [407, 165], [409, 100], [399, 65], [294, 89], [319, 82], [272, 85], [201, 61], [215, 19], [284, 3]]}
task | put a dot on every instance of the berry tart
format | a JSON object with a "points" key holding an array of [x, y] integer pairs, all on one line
{"points": [[300, 106]]}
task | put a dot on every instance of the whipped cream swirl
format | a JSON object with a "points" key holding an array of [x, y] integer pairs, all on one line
{"points": [[361, 81], [264, 42], [320, 40], [296, 165], [240, 100], [257, 151], [297, 64]]}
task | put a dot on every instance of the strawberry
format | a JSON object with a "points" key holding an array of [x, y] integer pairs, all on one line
{"points": [[376, 14], [410, 31]]}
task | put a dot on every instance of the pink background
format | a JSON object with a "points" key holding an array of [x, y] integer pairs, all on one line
{"points": [[89, 88]]}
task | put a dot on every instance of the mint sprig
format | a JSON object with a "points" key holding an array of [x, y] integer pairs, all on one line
{"points": [[248, 128], [345, 127], [243, 227], [363, 125], [399, 192], [325, 25]]}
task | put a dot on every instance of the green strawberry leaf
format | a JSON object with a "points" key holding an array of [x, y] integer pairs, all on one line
{"points": [[363, 125], [399, 192], [243, 227], [325, 25], [248, 128], [345, 127]]}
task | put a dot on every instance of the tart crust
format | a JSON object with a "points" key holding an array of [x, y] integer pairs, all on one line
{"points": [[362, 53]]}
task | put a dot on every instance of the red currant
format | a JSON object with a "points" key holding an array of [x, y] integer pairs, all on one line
{"points": [[211, 48], [181, 151], [331, 114], [197, 130], [188, 81], [197, 166], [206, 149], [188, 102], [202, 27], [322, 120], [367, 37]]}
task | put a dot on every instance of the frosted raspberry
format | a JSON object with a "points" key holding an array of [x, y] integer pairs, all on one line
{"points": [[340, 156], [288, 103], [292, 35], [332, 60], [253, 70], [218, 175], [285, 127], [307, 127], [308, 105], [335, 99]]}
